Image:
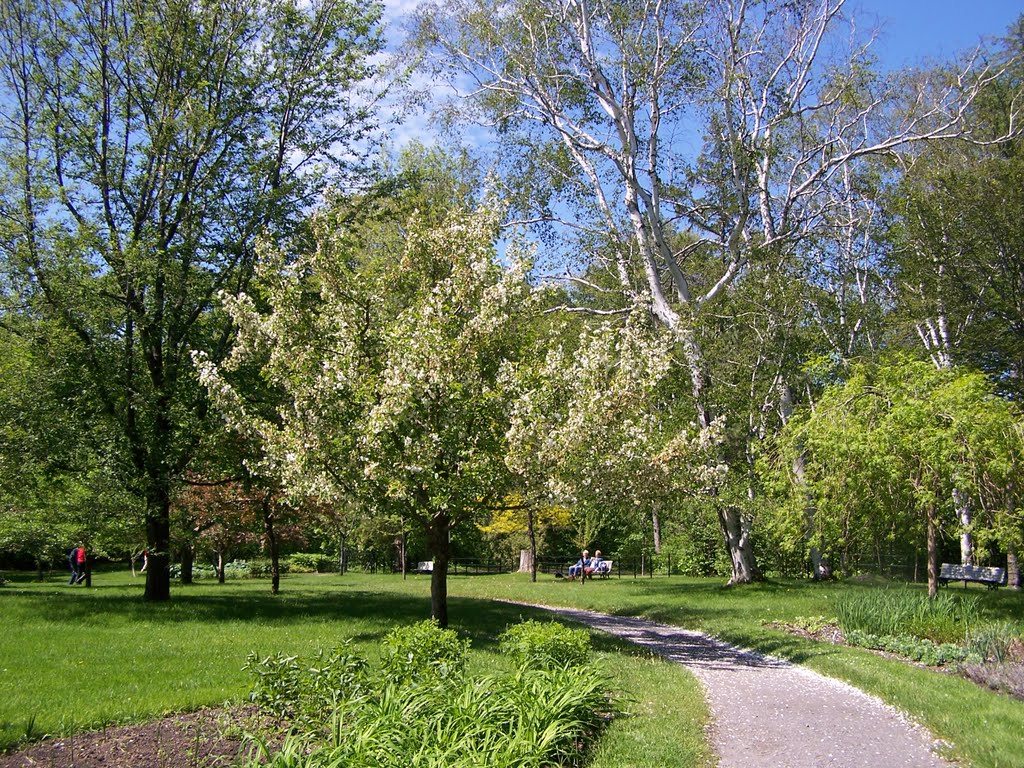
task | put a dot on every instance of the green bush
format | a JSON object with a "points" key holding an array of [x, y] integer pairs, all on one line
{"points": [[305, 693], [913, 648], [528, 719], [423, 652], [546, 645], [315, 562], [260, 567]]}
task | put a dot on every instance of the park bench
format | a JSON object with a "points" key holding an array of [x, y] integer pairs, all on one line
{"points": [[604, 570], [990, 577], [427, 566]]}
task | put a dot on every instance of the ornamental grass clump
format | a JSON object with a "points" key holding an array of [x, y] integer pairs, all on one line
{"points": [[543, 714], [903, 613]]}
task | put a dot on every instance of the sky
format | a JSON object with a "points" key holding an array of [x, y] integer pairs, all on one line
{"points": [[914, 30], [911, 29]]}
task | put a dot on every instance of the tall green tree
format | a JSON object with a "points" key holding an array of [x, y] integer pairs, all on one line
{"points": [[145, 147]]}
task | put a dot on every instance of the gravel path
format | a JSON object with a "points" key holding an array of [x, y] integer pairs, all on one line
{"points": [[768, 713]]}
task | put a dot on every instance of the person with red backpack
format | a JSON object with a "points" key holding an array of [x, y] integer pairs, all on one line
{"points": [[80, 560]]}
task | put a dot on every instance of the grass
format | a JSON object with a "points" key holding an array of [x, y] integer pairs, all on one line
{"points": [[75, 658], [68, 656]]}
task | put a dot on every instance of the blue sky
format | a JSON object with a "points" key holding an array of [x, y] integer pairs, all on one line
{"points": [[913, 30]]}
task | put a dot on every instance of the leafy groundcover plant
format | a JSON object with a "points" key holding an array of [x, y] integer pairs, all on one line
{"points": [[419, 708]]}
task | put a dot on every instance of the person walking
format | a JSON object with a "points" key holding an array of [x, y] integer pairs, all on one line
{"points": [[80, 558], [73, 565]]}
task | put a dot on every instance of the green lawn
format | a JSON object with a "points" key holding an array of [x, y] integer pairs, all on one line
{"points": [[74, 657]]}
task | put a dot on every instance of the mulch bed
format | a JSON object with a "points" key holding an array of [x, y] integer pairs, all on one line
{"points": [[205, 739]]}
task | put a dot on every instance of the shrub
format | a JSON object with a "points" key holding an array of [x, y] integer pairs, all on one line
{"points": [[316, 562], [342, 713], [532, 718], [306, 692], [260, 567], [913, 648], [198, 572], [423, 652], [546, 645]]}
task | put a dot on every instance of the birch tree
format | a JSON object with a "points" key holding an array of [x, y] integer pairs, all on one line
{"points": [[722, 120]]}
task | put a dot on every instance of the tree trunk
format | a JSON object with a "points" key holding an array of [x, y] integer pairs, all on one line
{"points": [[158, 539], [964, 512], [736, 530], [221, 576], [188, 559], [271, 537], [402, 555], [526, 561], [1012, 569], [656, 530], [440, 549], [533, 544], [933, 555]]}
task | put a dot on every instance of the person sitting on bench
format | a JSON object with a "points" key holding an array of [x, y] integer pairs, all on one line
{"points": [[594, 566], [577, 569]]}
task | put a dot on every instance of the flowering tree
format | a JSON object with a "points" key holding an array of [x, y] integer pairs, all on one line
{"points": [[387, 369], [594, 426]]}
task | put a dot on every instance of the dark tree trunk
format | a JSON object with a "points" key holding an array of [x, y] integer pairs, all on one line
{"points": [[188, 559], [40, 571], [440, 550], [268, 530], [933, 555], [158, 538], [533, 543], [221, 576]]}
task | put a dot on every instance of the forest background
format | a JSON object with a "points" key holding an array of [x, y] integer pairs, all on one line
{"points": [[698, 284]]}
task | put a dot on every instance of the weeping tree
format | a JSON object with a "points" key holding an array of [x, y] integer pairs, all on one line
{"points": [[888, 445]]}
